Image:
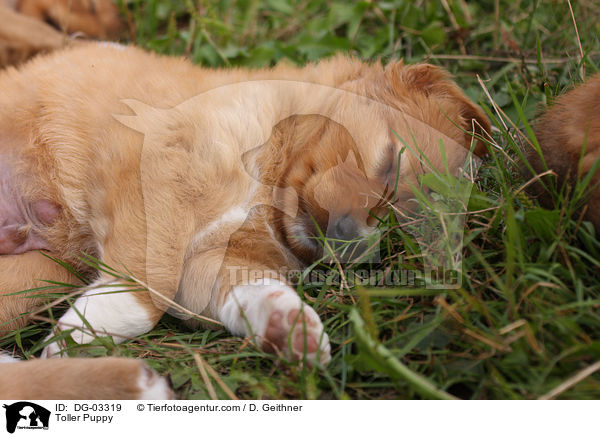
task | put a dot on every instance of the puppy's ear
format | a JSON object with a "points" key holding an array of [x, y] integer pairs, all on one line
{"points": [[434, 81]]}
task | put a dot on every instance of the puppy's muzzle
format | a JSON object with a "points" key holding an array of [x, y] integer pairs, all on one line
{"points": [[344, 229]]}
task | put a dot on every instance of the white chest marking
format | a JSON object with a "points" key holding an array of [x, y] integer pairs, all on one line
{"points": [[235, 215]]}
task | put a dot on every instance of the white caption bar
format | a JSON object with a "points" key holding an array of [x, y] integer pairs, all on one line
{"points": [[370, 418]]}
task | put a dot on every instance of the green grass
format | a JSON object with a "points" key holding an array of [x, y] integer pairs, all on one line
{"points": [[526, 319]]}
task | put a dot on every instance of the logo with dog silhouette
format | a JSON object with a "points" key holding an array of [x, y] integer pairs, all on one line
{"points": [[26, 416]]}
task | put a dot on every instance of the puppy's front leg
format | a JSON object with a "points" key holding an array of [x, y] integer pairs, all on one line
{"points": [[114, 309], [254, 301]]}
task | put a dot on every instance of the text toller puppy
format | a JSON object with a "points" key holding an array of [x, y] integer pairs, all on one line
{"points": [[571, 124], [207, 185]]}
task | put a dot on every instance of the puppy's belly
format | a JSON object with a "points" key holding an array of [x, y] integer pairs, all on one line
{"points": [[21, 221]]}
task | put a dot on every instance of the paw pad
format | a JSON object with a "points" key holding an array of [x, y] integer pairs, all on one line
{"points": [[295, 331]]}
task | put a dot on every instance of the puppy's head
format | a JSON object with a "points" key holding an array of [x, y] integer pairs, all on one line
{"points": [[392, 125]]}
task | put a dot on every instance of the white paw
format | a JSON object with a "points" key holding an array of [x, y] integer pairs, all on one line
{"points": [[108, 311], [7, 358], [55, 349], [279, 321], [69, 321]]}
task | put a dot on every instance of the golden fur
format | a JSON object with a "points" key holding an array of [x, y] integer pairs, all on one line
{"points": [[571, 123], [141, 153], [63, 122], [107, 378]]}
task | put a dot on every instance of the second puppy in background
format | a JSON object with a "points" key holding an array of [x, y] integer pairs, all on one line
{"points": [[569, 133]]}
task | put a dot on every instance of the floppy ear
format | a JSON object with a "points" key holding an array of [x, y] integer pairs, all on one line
{"points": [[432, 80]]}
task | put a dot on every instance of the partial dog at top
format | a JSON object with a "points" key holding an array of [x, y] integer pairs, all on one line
{"points": [[30, 27], [183, 175]]}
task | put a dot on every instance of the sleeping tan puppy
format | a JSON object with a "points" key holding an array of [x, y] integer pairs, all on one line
{"points": [[208, 185], [571, 124]]}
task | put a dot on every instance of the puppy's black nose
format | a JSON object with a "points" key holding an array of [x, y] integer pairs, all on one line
{"points": [[344, 228]]}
